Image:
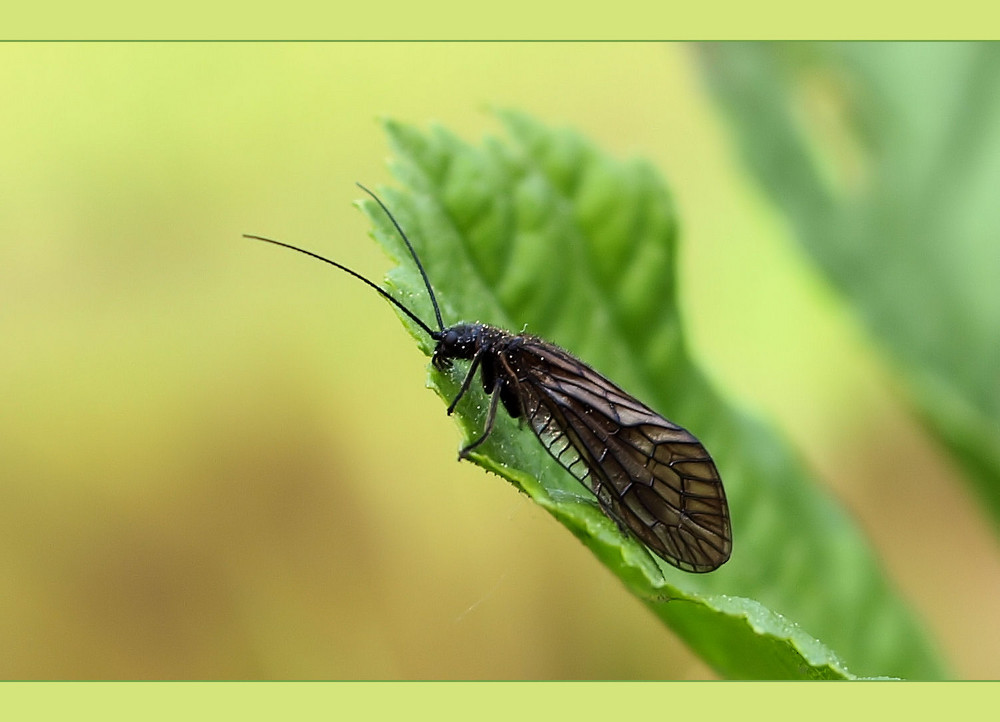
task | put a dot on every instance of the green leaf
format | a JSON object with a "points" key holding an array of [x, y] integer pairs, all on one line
{"points": [[543, 232], [886, 159]]}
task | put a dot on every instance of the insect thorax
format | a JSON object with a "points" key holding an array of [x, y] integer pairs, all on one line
{"points": [[465, 340]]}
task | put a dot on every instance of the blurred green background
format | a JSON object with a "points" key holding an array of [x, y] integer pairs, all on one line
{"points": [[218, 460]]}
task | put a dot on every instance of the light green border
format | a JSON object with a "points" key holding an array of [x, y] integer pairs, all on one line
{"points": [[578, 701], [510, 20]]}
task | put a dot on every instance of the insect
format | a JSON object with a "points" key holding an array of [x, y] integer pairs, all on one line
{"points": [[652, 477]]}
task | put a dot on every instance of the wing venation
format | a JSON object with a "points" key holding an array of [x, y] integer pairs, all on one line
{"points": [[651, 476]]}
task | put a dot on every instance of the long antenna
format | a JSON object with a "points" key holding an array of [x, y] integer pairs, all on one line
{"points": [[420, 266], [385, 294]]}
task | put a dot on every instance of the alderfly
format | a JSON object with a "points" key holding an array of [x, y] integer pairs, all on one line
{"points": [[650, 476]]}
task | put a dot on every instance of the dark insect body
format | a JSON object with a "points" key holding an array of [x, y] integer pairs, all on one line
{"points": [[652, 477]]}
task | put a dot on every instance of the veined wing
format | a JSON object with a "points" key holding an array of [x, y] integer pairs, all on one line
{"points": [[652, 477]]}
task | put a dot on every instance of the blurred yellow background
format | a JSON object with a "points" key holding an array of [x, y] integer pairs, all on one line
{"points": [[218, 460]]}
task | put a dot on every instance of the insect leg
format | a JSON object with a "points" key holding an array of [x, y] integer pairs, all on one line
{"points": [[490, 418], [467, 382]]}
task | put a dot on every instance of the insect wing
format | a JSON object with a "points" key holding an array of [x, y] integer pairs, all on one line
{"points": [[652, 477]]}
